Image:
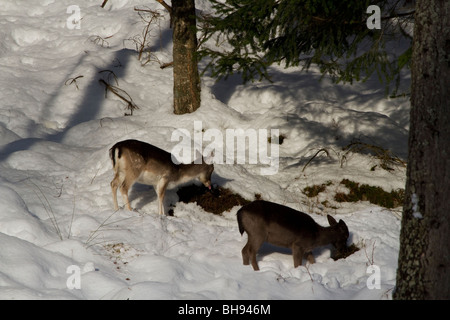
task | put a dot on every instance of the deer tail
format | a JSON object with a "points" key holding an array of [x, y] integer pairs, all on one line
{"points": [[239, 219], [114, 154]]}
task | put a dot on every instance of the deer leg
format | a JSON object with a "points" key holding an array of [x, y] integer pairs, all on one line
{"points": [[254, 243], [253, 259], [160, 192], [114, 186], [310, 257], [245, 255], [124, 191], [297, 253]]}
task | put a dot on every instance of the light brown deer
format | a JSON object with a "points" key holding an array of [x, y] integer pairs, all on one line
{"points": [[279, 225], [137, 161]]}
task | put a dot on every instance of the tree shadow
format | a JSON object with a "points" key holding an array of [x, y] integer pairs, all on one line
{"points": [[359, 111], [165, 40], [88, 109]]}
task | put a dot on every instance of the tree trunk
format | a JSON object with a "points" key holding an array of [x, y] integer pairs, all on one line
{"points": [[424, 258], [186, 83]]}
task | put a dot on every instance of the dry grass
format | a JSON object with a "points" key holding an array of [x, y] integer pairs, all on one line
{"points": [[388, 161]]}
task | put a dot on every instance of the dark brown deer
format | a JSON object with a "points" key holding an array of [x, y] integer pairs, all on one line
{"points": [[282, 226], [137, 161]]}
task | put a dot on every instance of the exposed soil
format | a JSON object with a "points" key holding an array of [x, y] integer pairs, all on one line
{"points": [[215, 201]]}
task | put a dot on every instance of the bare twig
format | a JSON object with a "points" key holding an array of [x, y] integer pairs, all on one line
{"points": [[165, 5], [73, 80], [110, 74], [371, 259], [145, 10], [146, 32], [47, 207], [168, 8], [94, 234], [320, 150], [100, 41], [310, 276], [142, 41], [73, 214]]}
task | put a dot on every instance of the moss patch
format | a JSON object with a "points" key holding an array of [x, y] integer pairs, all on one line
{"points": [[313, 191], [375, 195]]}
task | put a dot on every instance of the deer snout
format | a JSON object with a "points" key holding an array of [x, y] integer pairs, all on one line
{"points": [[208, 185], [341, 246]]}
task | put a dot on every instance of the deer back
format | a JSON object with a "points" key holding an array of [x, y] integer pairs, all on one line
{"points": [[145, 163], [136, 159]]}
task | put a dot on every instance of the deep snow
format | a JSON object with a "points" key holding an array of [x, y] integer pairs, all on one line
{"points": [[56, 210]]}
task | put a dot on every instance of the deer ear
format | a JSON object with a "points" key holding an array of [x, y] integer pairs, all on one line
{"points": [[210, 158], [342, 224], [331, 220]]}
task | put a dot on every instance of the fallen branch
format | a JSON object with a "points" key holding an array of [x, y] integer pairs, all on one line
{"points": [[120, 93], [166, 65]]}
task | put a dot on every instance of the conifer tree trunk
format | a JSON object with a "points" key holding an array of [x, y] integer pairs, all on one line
{"points": [[424, 258], [186, 86]]}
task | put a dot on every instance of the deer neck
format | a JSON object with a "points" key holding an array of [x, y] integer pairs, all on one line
{"points": [[186, 172], [326, 235]]}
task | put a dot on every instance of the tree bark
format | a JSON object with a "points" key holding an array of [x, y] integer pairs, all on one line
{"points": [[186, 86], [424, 258]]}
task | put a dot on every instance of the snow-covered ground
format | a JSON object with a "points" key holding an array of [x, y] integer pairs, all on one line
{"points": [[60, 236]]}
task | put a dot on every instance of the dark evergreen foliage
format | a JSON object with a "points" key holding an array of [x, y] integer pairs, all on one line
{"points": [[253, 34]]}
